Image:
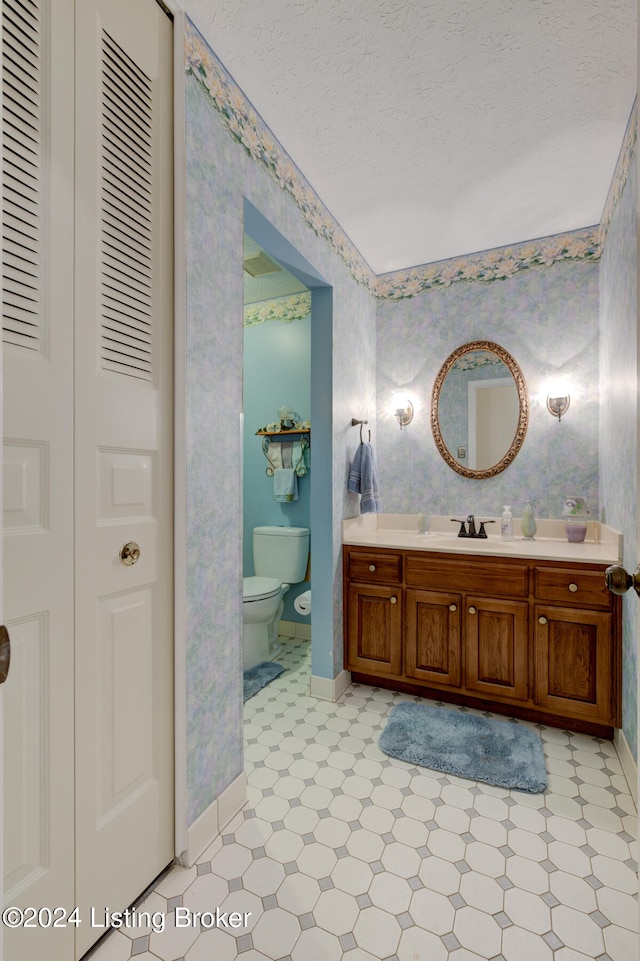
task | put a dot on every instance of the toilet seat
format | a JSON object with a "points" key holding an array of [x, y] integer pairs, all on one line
{"points": [[259, 588]]}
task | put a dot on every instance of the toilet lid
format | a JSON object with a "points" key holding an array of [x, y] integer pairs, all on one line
{"points": [[257, 588]]}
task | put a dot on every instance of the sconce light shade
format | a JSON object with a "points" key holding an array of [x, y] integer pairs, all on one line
{"points": [[558, 405], [404, 415]]}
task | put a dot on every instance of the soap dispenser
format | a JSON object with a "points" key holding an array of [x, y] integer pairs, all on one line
{"points": [[528, 523], [506, 525]]}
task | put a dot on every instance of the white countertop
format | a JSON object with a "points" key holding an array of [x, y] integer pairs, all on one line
{"points": [[603, 545]]}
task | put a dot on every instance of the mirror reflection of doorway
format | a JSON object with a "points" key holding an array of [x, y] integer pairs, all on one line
{"points": [[493, 420]]}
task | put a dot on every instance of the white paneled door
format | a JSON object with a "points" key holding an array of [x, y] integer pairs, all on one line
{"points": [[87, 331]]}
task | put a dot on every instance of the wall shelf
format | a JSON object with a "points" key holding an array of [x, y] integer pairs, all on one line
{"points": [[282, 433]]}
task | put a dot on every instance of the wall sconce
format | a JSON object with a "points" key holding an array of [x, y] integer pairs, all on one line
{"points": [[402, 409], [557, 406]]}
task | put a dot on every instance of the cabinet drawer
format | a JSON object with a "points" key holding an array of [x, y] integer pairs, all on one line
{"points": [[370, 568], [572, 587], [467, 574]]}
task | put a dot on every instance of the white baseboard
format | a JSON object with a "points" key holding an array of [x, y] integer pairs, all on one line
{"points": [[628, 762], [295, 629], [232, 799], [214, 819], [329, 690]]}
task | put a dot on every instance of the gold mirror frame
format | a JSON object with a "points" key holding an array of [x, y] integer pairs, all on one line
{"points": [[523, 400]]}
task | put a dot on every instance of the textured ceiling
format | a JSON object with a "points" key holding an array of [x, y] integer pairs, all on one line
{"points": [[435, 129]]}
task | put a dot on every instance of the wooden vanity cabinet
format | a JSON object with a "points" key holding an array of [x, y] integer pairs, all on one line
{"points": [[574, 639], [374, 612], [374, 629], [497, 655], [535, 639], [433, 637]]}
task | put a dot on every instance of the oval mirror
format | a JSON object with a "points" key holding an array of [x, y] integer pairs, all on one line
{"points": [[479, 409]]}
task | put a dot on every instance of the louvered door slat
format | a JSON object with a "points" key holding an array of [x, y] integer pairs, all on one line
{"points": [[138, 276], [121, 213], [21, 178], [127, 206], [129, 76]]}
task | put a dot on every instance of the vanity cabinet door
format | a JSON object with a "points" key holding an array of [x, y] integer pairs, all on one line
{"points": [[496, 647], [374, 629], [574, 663], [433, 637]]}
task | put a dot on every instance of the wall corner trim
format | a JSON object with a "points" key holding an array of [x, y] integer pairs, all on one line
{"points": [[628, 762], [326, 689], [214, 819]]}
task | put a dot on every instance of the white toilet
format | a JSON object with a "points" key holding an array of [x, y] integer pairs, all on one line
{"points": [[280, 556]]}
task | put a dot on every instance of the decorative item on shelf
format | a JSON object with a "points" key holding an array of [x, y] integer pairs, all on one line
{"points": [[402, 408], [288, 418], [289, 422], [576, 510], [528, 524]]}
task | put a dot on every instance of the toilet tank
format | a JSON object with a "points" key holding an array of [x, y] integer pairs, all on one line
{"points": [[281, 552]]}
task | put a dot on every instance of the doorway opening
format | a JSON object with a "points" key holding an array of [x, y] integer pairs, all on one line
{"points": [[312, 333]]}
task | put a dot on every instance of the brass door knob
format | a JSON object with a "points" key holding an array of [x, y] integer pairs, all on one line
{"points": [[453, 607], [372, 567], [542, 620], [472, 610], [394, 600], [618, 581], [129, 553]]}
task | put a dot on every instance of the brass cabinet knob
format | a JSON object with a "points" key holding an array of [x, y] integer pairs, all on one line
{"points": [[573, 588], [542, 620], [394, 600], [453, 607], [472, 610], [618, 581], [129, 553], [372, 567]]}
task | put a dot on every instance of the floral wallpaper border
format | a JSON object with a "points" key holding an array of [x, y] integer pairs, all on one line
{"points": [[284, 309], [490, 265], [249, 129], [621, 175], [474, 359]]}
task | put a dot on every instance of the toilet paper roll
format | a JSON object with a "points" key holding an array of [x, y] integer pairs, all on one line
{"points": [[302, 603]]}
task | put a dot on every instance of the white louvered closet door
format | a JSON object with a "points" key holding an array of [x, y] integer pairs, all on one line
{"points": [[87, 330], [124, 452], [37, 180]]}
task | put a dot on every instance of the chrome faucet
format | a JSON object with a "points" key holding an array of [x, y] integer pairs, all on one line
{"points": [[470, 529]]}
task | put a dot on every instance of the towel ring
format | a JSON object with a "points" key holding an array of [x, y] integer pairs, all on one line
{"points": [[355, 422]]}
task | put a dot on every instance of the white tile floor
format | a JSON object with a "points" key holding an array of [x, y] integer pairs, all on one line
{"points": [[343, 852]]}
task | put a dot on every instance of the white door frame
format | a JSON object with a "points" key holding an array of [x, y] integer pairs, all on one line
{"points": [[473, 387], [180, 454]]}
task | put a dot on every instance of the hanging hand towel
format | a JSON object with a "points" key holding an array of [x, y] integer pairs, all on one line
{"points": [[285, 485], [363, 479], [300, 461]]}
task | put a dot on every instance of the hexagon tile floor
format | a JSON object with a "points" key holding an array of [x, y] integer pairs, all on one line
{"points": [[344, 853]]}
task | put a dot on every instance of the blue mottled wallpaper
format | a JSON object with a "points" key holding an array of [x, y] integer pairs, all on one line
{"points": [[219, 176], [547, 319], [618, 418]]}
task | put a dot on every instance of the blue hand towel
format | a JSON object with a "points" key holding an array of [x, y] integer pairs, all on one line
{"points": [[285, 485], [363, 479]]}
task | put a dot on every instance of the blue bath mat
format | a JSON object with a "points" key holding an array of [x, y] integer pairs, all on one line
{"points": [[259, 676], [480, 748]]}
